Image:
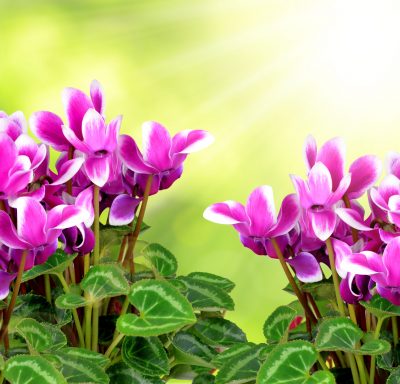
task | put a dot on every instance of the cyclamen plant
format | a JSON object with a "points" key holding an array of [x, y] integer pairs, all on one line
{"points": [[83, 299]]}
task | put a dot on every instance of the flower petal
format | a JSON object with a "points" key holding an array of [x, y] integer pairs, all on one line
{"points": [[9, 235], [68, 170], [260, 209], [391, 260], [74, 141], [342, 251], [320, 183], [256, 245], [340, 190], [97, 170], [5, 281], [47, 126], [288, 216], [393, 163], [76, 103], [302, 191], [31, 221], [112, 133], [228, 212], [323, 223], [332, 155], [364, 263], [97, 96], [156, 145], [94, 130], [306, 267], [123, 209], [364, 172], [85, 201], [131, 156], [65, 216], [389, 186], [352, 218], [310, 152], [8, 155]]}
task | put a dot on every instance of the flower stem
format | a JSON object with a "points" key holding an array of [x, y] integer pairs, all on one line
{"points": [[114, 344], [322, 362], [95, 326], [70, 157], [135, 234], [292, 282], [7, 315], [373, 358], [88, 325], [335, 277], [395, 331], [47, 288]]}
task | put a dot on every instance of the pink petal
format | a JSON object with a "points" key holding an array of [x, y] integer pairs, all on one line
{"points": [[389, 186], [342, 251], [20, 175], [306, 267], [393, 163], [31, 221], [85, 201], [65, 216], [377, 200], [97, 96], [12, 129], [8, 155], [391, 260], [97, 170], [352, 218], [288, 216], [302, 191], [76, 103], [47, 126], [323, 223], [68, 170], [9, 235], [122, 210], [74, 141], [332, 155], [19, 119], [5, 281], [156, 145], [340, 190], [320, 183], [310, 152], [364, 263], [94, 130], [364, 173], [228, 212], [112, 133], [260, 209], [131, 156], [26, 146]]}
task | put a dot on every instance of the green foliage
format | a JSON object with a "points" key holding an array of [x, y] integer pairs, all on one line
{"points": [[218, 281], [70, 301], [36, 335], [277, 324], [121, 373], [381, 307], [161, 260]]}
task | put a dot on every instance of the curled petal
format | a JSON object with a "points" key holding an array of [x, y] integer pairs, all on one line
{"points": [[389, 186], [112, 133], [302, 191], [8, 156], [256, 245], [65, 216], [228, 212], [393, 163], [9, 235], [123, 209], [353, 218], [323, 223], [342, 251], [306, 267], [166, 180], [340, 190], [47, 126], [68, 170], [320, 183], [364, 172], [97, 96], [391, 259], [389, 293], [156, 145], [365, 263], [74, 140], [310, 152], [288, 216], [5, 281], [97, 170], [85, 201], [94, 130]]}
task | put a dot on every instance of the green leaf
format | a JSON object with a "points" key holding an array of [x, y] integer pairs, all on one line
{"points": [[374, 347], [33, 370], [218, 281], [277, 324], [204, 378], [146, 355], [162, 309], [161, 259], [206, 297], [106, 280], [2, 363], [190, 350], [56, 263], [230, 353], [291, 363], [120, 373], [78, 369], [58, 338], [70, 301], [338, 334], [38, 337], [321, 290], [394, 377], [86, 355], [217, 331], [381, 307], [242, 367], [3, 305]]}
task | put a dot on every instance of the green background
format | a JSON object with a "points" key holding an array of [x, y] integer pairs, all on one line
{"points": [[259, 75]]}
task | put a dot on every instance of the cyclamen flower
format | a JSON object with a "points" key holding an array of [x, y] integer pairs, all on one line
{"points": [[98, 143], [256, 222], [162, 156], [364, 171], [47, 126], [318, 200], [384, 270], [14, 125]]}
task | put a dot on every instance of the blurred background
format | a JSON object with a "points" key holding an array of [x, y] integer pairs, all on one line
{"points": [[259, 75]]}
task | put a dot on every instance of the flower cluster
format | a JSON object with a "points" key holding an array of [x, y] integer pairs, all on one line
{"points": [[325, 217], [41, 208]]}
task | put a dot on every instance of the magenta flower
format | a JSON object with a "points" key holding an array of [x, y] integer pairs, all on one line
{"points": [[384, 270], [318, 200], [364, 171], [14, 125], [98, 143], [256, 222], [162, 156], [47, 126]]}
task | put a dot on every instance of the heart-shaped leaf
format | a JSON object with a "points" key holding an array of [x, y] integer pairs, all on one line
{"points": [[70, 301], [120, 373], [206, 297], [374, 347], [190, 350], [58, 338], [146, 355], [381, 307], [218, 281], [86, 355], [103, 281], [230, 353], [35, 334], [24, 369], [277, 324], [56, 263], [217, 331], [162, 260], [162, 309], [204, 378], [394, 377], [291, 363]]}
